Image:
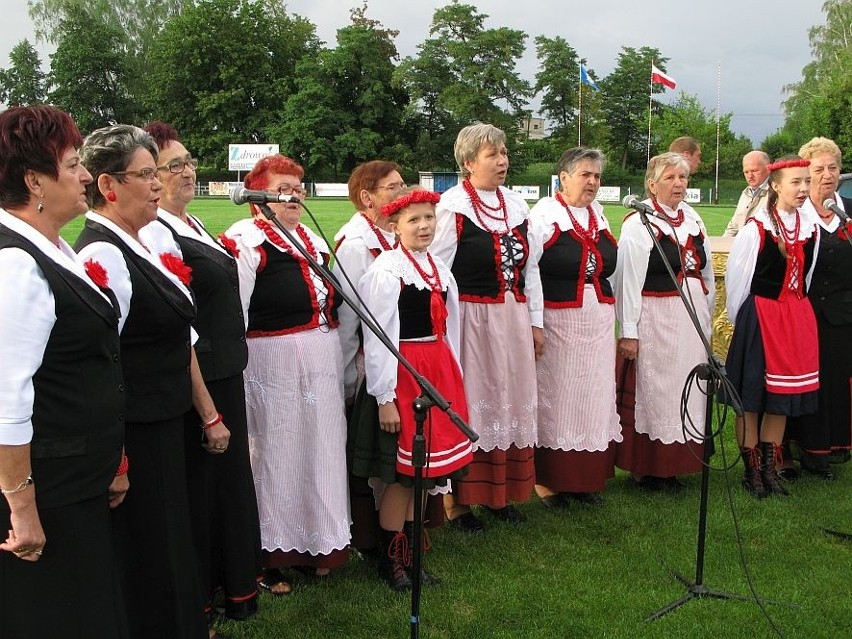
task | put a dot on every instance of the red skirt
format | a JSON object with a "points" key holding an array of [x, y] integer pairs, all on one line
{"points": [[447, 448], [789, 331]]}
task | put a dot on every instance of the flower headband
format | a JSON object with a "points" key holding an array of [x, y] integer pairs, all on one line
{"points": [[415, 197], [787, 164]]}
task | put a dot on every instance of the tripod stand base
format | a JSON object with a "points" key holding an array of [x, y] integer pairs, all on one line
{"points": [[698, 591]]}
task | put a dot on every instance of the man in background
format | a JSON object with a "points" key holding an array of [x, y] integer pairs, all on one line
{"points": [[753, 197]]}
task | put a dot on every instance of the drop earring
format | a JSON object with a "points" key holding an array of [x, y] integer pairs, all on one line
{"points": [[40, 207]]}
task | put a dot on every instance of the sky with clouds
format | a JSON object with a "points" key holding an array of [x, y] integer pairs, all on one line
{"points": [[761, 45]]}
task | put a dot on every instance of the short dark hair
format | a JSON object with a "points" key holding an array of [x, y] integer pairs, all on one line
{"points": [[32, 138], [366, 177], [162, 132]]}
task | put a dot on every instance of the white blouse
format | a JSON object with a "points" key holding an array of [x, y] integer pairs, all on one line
{"points": [[743, 256], [248, 237], [181, 228], [27, 316], [112, 259], [445, 244], [352, 258], [380, 290], [634, 251], [549, 214]]}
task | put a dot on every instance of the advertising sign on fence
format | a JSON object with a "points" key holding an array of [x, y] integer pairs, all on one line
{"points": [[223, 188], [527, 192], [243, 157]]}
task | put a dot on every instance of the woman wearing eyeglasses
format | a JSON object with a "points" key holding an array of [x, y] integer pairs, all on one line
{"points": [[221, 487], [157, 560], [294, 385]]}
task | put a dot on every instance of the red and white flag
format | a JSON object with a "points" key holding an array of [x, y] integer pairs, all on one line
{"points": [[658, 77]]}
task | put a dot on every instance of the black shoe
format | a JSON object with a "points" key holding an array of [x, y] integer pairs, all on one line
{"points": [[819, 466], [788, 473], [672, 484], [587, 499], [509, 514], [426, 577], [556, 501], [467, 522], [649, 483], [241, 610]]}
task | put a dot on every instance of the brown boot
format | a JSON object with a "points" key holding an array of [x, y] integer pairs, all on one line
{"points": [[393, 559], [753, 480], [426, 577], [771, 457]]}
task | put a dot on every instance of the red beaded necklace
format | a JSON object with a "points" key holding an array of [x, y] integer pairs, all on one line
{"points": [[433, 281], [377, 231], [588, 235], [675, 221], [278, 241], [480, 208], [788, 236]]}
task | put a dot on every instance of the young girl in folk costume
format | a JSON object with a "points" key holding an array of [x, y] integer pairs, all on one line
{"points": [[773, 359], [414, 297]]}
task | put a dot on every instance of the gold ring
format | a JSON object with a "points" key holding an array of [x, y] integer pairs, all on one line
{"points": [[38, 552]]}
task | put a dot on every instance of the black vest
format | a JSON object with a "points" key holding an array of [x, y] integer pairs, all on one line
{"points": [[477, 266], [78, 418], [658, 282], [155, 339], [769, 270], [415, 312], [221, 346], [831, 286], [563, 269], [283, 300]]}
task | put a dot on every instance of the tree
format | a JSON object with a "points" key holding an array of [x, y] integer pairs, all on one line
{"points": [[23, 83], [819, 103], [465, 73], [557, 80], [625, 104], [347, 108], [222, 70], [88, 72]]}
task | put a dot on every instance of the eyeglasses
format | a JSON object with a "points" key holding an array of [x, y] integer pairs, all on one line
{"points": [[291, 190], [177, 166], [148, 174], [394, 186]]}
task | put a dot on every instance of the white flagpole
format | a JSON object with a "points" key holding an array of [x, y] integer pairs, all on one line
{"points": [[580, 105], [650, 93], [718, 128]]}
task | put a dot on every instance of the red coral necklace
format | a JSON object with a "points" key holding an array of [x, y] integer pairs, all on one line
{"points": [[481, 209], [675, 221], [588, 235], [379, 235]]}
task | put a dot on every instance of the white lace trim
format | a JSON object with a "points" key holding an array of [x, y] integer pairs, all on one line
{"points": [[807, 227], [457, 200], [397, 264], [358, 227], [692, 224], [552, 212]]}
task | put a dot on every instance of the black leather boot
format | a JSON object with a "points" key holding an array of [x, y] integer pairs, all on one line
{"points": [[393, 559], [771, 457], [753, 479], [426, 577]]}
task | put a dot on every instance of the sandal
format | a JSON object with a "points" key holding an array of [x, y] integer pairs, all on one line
{"points": [[274, 583]]}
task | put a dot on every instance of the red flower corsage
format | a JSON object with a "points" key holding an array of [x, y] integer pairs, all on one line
{"points": [[177, 266], [229, 245], [97, 273]]}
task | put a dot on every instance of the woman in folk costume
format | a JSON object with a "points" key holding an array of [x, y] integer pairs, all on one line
{"points": [[577, 420], [363, 238], [773, 360], [657, 336], [825, 437], [294, 385], [414, 297], [483, 236]]}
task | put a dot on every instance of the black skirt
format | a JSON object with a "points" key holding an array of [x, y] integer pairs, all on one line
{"points": [[73, 590]]}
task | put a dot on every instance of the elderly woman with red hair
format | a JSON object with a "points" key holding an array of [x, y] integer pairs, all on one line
{"points": [[294, 385]]}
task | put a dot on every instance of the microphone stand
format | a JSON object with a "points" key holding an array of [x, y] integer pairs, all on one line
{"points": [[429, 397], [714, 372]]}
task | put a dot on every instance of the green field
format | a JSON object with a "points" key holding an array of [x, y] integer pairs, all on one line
{"points": [[331, 213], [595, 572]]}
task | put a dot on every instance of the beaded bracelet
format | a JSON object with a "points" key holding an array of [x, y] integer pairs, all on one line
{"points": [[212, 422], [123, 466], [19, 488]]}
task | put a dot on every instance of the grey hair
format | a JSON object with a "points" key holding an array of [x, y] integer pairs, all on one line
{"points": [[471, 139], [110, 150], [659, 163], [572, 157]]}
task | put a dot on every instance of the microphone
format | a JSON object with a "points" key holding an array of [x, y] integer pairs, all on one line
{"points": [[632, 202], [831, 205], [240, 195]]}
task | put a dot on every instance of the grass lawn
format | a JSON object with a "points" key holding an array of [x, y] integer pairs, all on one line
{"points": [[595, 572]]}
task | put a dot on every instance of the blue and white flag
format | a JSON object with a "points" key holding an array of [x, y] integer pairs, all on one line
{"points": [[585, 79]]}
